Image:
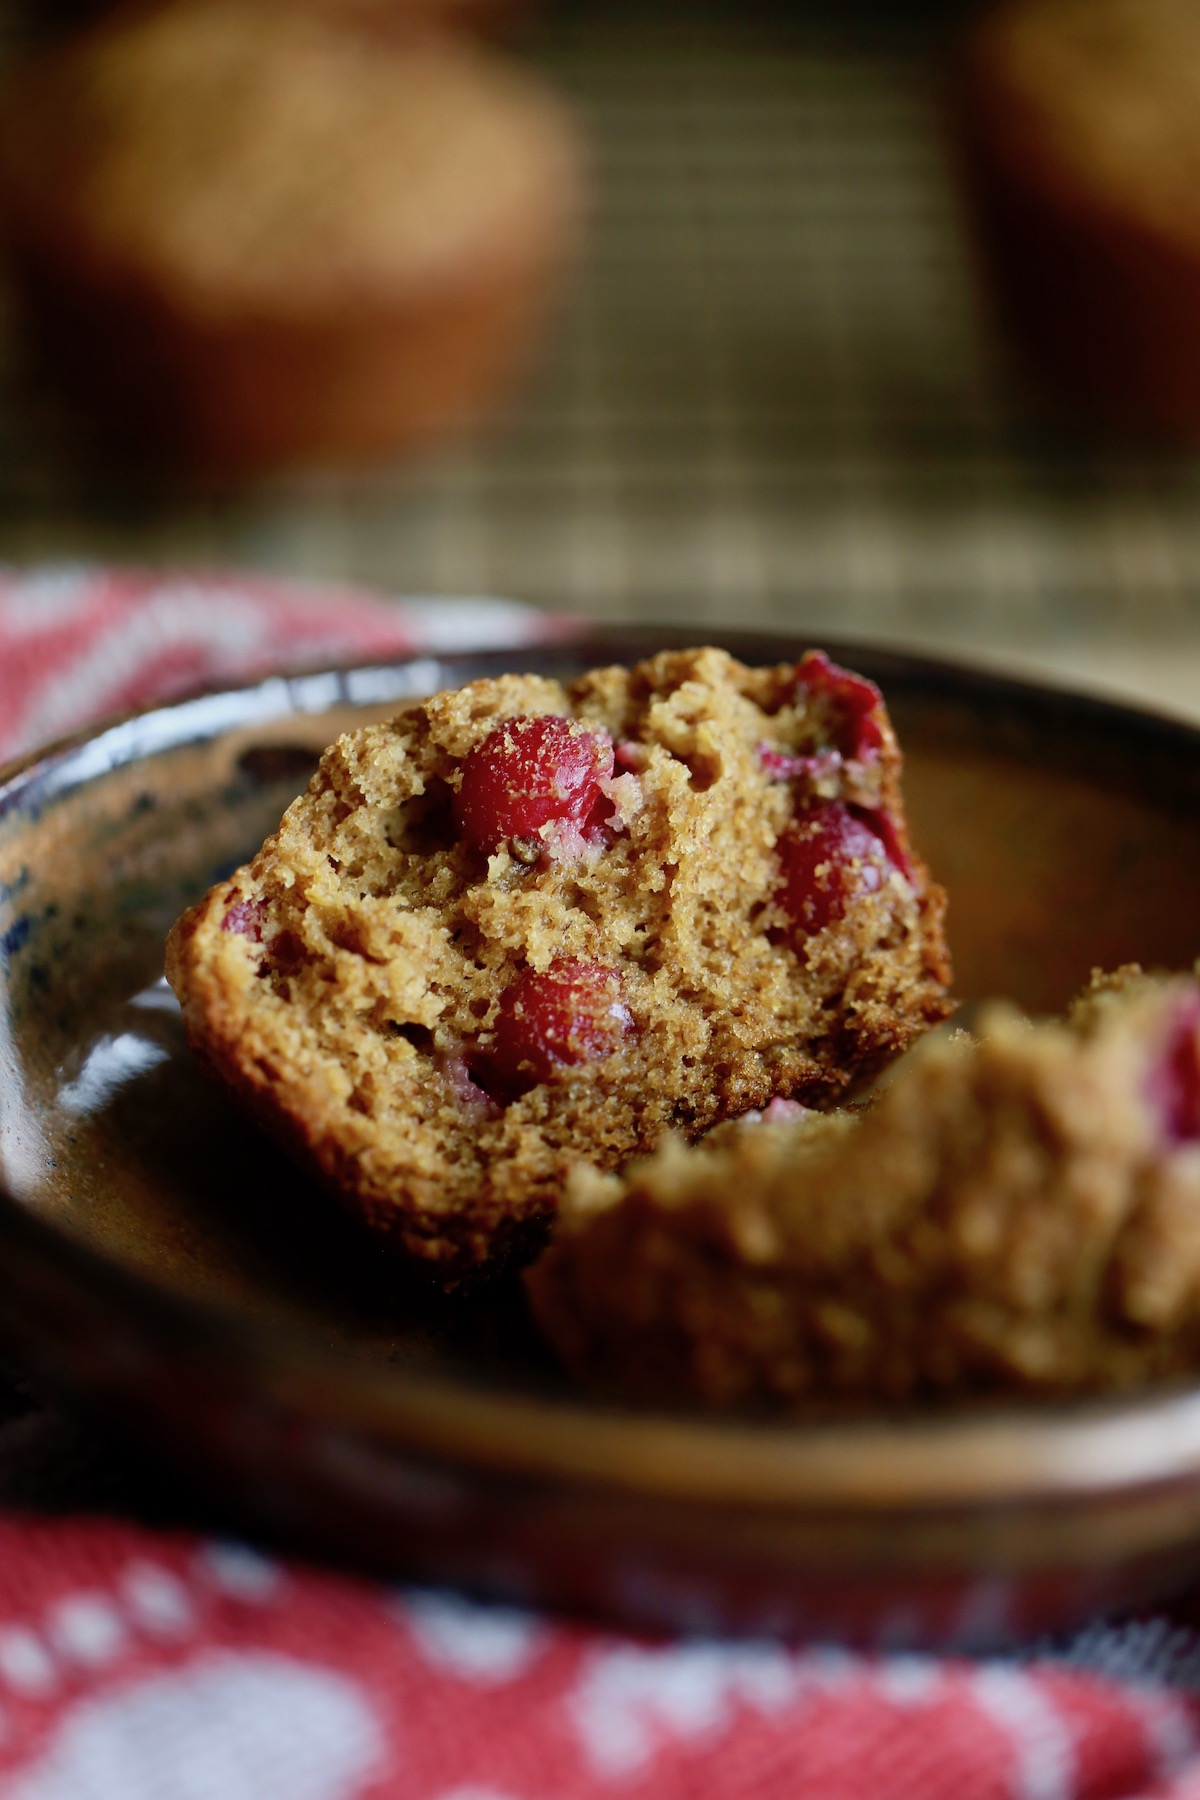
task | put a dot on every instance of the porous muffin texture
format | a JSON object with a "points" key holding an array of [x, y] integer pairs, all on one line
{"points": [[716, 905], [254, 233], [1079, 124], [1017, 1212]]}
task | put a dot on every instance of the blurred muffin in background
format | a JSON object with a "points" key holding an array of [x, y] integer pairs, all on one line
{"points": [[1079, 126], [254, 233]]}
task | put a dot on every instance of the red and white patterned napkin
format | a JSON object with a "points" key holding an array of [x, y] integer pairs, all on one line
{"points": [[144, 1665], [77, 644]]}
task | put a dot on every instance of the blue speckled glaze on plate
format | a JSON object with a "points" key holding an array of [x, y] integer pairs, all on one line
{"points": [[16, 934], [161, 1260]]}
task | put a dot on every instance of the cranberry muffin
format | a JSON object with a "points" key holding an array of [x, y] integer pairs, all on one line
{"points": [[254, 234], [525, 926], [1078, 123]]}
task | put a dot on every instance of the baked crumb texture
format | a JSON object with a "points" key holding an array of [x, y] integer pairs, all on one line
{"points": [[524, 926], [1019, 1212]]}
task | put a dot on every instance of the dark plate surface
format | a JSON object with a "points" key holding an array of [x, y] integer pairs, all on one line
{"points": [[162, 1261]]}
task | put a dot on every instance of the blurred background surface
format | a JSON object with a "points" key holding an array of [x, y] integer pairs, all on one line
{"points": [[774, 395]]}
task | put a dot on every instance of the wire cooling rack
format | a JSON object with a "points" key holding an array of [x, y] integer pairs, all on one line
{"points": [[775, 395]]}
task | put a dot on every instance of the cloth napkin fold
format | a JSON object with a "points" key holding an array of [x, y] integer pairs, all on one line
{"points": [[78, 644], [150, 1665]]}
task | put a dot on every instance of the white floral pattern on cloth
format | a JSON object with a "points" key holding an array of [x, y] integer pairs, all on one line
{"points": [[140, 1665], [159, 1666]]}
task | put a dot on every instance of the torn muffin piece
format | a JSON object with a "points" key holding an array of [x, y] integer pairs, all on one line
{"points": [[1015, 1212], [526, 926]]}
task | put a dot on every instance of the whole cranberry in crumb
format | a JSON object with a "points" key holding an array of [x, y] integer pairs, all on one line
{"points": [[829, 855], [245, 919], [1173, 1086], [531, 772], [573, 1012], [858, 700]]}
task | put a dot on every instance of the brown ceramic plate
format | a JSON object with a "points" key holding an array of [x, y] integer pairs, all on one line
{"points": [[161, 1261]]}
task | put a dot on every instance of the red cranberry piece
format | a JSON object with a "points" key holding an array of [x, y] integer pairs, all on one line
{"points": [[531, 772], [456, 1068], [829, 856], [572, 1013], [884, 827], [785, 765], [245, 917], [776, 1112], [859, 701], [1173, 1087]]}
